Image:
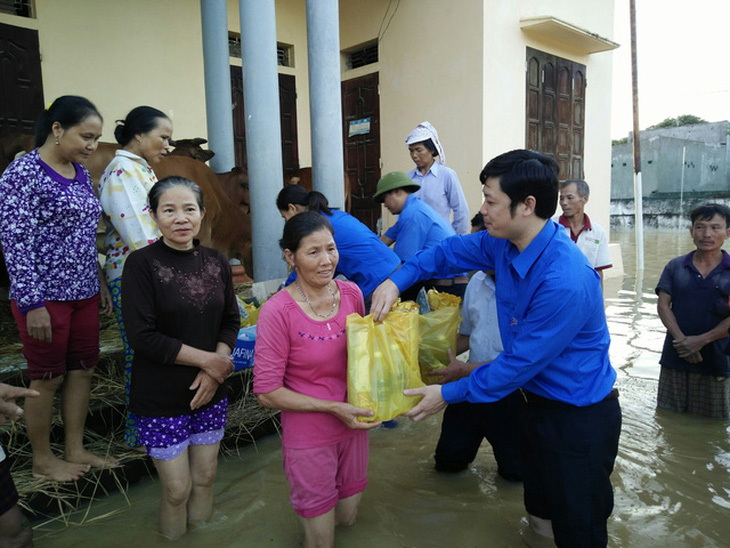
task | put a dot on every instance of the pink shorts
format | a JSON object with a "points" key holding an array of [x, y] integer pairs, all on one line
{"points": [[75, 338], [320, 476]]}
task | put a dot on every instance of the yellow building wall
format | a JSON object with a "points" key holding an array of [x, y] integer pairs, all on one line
{"points": [[124, 53], [504, 87], [459, 65], [429, 69]]}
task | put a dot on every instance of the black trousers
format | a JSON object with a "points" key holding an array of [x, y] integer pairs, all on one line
{"points": [[465, 425], [568, 454]]}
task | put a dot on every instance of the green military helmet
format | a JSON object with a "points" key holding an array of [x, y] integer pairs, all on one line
{"points": [[392, 181]]}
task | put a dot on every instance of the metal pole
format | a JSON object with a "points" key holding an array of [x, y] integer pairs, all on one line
{"points": [[638, 188], [214, 20], [325, 99], [681, 185], [263, 134]]}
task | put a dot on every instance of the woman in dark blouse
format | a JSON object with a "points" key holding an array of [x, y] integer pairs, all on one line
{"points": [[182, 320]]}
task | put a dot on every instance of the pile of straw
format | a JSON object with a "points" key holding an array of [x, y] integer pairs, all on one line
{"points": [[48, 501]]}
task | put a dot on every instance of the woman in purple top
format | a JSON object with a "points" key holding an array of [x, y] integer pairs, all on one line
{"points": [[48, 220]]}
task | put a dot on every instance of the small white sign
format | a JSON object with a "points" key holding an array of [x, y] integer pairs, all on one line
{"points": [[359, 127]]}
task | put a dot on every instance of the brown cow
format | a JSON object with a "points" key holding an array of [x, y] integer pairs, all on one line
{"points": [[225, 227], [192, 148], [235, 184], [11, 144]]}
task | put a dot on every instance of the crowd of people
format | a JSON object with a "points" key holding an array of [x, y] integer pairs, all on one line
{"points": [[538, 383]]}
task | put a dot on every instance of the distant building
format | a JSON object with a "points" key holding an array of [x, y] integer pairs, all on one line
{"points": [[680, 167]]}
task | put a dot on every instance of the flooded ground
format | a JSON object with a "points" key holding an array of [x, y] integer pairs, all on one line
{"points": [[672, 480]]}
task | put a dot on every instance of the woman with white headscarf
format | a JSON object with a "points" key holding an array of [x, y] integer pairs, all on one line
{"points": [[440, 186]]}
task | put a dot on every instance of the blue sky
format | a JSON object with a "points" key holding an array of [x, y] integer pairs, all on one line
{"points": [[683, 65]]}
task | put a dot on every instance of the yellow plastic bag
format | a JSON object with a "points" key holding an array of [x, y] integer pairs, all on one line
{"points": [[382, 361], [439, 330], [249, 312]]}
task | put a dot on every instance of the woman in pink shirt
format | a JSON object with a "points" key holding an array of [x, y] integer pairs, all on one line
{"points": [[301, 368]]}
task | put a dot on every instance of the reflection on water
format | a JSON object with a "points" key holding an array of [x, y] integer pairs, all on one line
{"points": [[671, 480]]}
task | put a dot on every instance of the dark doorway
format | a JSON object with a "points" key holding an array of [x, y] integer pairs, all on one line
{"points": [[288, 114], [21, 85], [556, 110], [361, 136]]}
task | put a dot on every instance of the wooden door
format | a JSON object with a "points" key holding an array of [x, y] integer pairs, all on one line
{"points": [[287, 112], [555, 109], [21, 85], [361, 137]]}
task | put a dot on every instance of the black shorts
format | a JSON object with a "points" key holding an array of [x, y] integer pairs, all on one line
{"points": [[8, 493]]}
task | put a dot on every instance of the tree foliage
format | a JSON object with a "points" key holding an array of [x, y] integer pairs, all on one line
{"points": [[683, 120]]}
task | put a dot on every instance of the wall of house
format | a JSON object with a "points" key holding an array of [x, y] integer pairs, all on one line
{"points": [[461, 69], [121, 54], [430, 69], [504, 84]]}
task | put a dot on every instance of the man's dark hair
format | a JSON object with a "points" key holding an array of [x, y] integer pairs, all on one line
{"points": [[524, 173], [428, 143], [706, 212], [477, 221]]}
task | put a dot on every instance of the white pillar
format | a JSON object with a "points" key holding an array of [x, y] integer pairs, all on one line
{"points": [[263, 134], [325, 99], [214, 20]]}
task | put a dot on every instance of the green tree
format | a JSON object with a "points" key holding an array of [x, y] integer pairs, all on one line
{"points": [[683, 120]]}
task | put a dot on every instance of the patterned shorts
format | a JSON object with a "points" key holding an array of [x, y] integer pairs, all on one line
{"points": [[685, 392], [165, 438]]}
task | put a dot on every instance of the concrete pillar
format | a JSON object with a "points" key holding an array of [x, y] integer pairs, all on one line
{"points": [[263, 134], [214, 19], [325, 99]]}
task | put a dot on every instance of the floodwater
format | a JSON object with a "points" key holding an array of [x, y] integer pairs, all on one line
{"points": [[672, 481]]}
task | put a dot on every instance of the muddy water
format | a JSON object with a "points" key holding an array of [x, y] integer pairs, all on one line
{"points": [[671, 480]]}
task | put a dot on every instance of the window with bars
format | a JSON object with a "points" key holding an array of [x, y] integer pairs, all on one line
{"points": [[366, 55], [21, 8], [284, 52]]}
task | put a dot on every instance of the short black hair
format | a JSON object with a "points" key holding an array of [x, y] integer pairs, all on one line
{"points": [[163, 185], [300, 226], [524, 173], [706, 212], [477, 221]]}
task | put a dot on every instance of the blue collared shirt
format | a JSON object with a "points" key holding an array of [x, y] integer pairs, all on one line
{"points": [[550, 311], [441, 189], [418, 227], [698, 304]]}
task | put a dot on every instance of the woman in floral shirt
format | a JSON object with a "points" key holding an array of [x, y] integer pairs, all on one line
{"points": [[48, 220], [145, 138]]}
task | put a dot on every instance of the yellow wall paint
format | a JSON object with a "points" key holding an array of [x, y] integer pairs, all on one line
{"points": [[459, 65]]}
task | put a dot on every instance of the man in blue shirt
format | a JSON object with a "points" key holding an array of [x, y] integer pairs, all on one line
{"points": [[555, 338], [418, 227], [693, 305]]}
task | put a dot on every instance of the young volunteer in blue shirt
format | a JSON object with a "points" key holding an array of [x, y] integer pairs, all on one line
{"points": [[553, 327], [418, 227], [364, 259]]}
